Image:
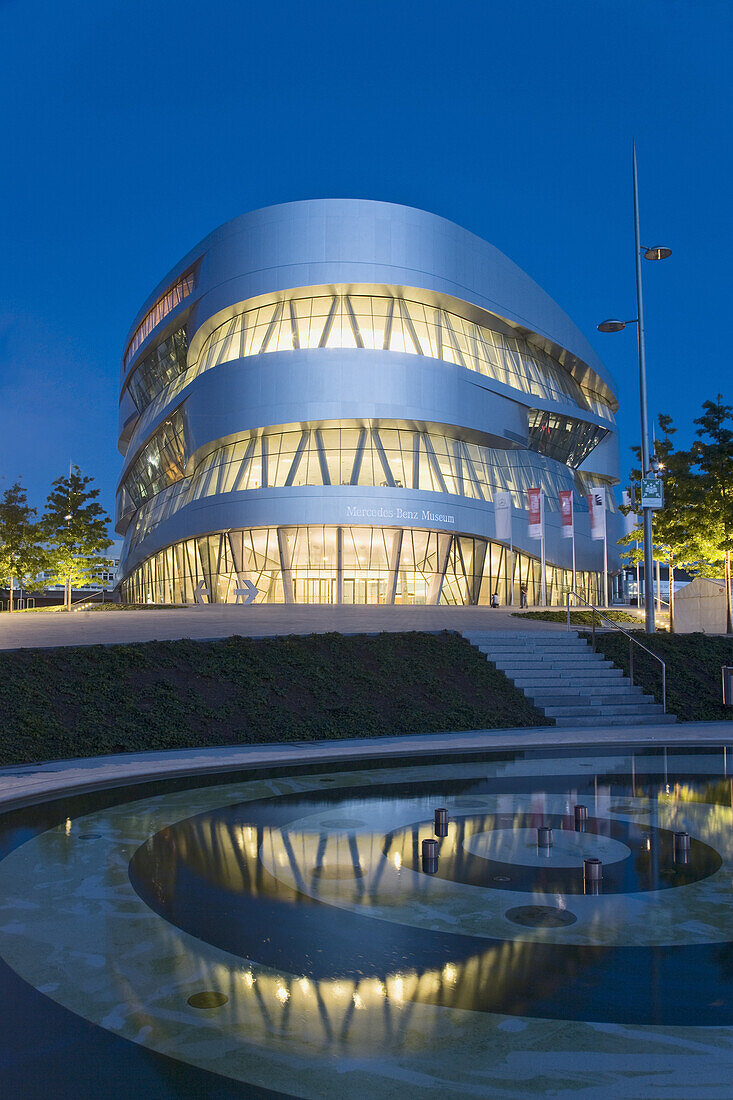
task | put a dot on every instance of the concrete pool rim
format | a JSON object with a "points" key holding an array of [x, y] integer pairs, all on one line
{"points": [[29, 784]]}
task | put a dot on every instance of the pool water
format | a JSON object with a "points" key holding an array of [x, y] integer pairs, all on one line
{"points": [[280, 933]]}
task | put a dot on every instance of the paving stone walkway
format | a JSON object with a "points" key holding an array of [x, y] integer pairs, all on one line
{"points": [[22, 630]]}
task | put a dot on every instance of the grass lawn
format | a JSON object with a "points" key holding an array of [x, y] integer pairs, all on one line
{"points": [[693, 662], [88, 700]]}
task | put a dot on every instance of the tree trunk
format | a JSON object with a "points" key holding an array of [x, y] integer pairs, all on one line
{"points": [[10, 593], [671, 596], [68, 592]]}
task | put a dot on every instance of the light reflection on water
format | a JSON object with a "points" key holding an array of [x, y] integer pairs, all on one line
{"points": [[300, 894]]}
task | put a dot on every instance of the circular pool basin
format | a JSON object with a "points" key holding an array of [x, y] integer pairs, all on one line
{"points": [[280, 933]]}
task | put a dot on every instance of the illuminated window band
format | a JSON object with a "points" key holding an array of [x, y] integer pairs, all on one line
{"points": [[387, 456], [351, 565], [165, 304], [382, 323]]}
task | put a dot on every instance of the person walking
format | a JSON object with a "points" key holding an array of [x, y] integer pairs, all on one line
{"points": [[495, 600], [522, 595]]}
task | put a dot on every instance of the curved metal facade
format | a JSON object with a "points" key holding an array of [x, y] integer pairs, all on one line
{"points": [[323, 399]]}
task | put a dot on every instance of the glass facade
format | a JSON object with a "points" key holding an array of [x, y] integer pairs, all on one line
{"points": [[388, 324], [351, 565], [153, 373], [348, 454], [160, 463], [165, 304], [562, 437]]}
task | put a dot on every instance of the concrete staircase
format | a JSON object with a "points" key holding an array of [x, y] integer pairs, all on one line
{"points": [[566, 680]]}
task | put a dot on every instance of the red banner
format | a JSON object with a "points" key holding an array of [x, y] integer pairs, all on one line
{"points": [[566, 513], [535, 513]]}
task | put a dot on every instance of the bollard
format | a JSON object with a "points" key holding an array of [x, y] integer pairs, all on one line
{"points": [[430, 856], [441, 822], [593, 869], [682, 847], [581, 818], [544, 837]]}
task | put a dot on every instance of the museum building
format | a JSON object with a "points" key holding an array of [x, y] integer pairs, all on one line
{"points": [[322, 400]]}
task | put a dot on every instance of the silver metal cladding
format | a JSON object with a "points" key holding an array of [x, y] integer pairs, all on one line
{"points": [[324, 398]]}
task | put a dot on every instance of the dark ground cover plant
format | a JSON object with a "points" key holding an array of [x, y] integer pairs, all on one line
{"points": [[693, 662], [578, 618], [87, 700]]}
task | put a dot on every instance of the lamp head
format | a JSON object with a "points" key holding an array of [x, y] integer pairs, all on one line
{"points": [[657, 253], [611, 325]]}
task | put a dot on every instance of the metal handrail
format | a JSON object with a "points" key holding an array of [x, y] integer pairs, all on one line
{"points": [[632, 640], [86, 599]]}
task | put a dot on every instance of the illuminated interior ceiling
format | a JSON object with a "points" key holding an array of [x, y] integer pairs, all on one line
{"points": [[386, 455], [371, 321]]}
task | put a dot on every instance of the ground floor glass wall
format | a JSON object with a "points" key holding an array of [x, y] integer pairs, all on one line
{"points": [[352, 565]]}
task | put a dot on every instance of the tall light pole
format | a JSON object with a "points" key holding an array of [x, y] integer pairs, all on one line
{"points": [[613, 325]]}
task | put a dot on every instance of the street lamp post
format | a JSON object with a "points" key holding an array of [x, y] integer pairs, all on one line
{"points": [[613, 325]]}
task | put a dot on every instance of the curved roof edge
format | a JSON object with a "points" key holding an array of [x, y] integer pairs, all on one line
{"points": [[408, 239]]}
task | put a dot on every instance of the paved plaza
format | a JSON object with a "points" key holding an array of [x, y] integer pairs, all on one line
{"points": [[23, 630]]}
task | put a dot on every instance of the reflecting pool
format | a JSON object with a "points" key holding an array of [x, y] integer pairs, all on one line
{"points": [[282, 934]]}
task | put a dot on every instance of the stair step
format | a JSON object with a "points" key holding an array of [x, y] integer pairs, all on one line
{"points": [[604, 710], [533, 642], [608, 692], [567, 699], [621, 720], [569, 682], [525, 635], [580, 675], [545, 655], [554, 666], [492, 647]]}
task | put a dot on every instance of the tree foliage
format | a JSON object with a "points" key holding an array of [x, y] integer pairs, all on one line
{"points": [[694, 529], [22, 557], [75, 529], [712, 458]]}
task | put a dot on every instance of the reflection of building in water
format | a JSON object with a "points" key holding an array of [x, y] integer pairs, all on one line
{"points": [[366, 1015], [368, 1008]]}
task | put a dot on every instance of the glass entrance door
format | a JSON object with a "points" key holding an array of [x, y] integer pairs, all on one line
{"points": [[314, 590]]}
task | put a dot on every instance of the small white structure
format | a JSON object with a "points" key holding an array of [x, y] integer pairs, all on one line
{"points": [[700, 607]]}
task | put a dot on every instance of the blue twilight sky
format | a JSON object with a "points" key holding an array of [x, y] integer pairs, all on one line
{"points": [[131, 128]]}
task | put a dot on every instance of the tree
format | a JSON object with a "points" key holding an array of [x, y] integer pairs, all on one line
{"points": [[22, 557], [675, 526], [74, 527], [712, 455]]}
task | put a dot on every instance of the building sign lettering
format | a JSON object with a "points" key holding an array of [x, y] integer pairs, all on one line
{"points": [[354, 511]]}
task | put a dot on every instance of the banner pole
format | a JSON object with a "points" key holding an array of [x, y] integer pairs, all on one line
{"points": [[574, 581]]}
